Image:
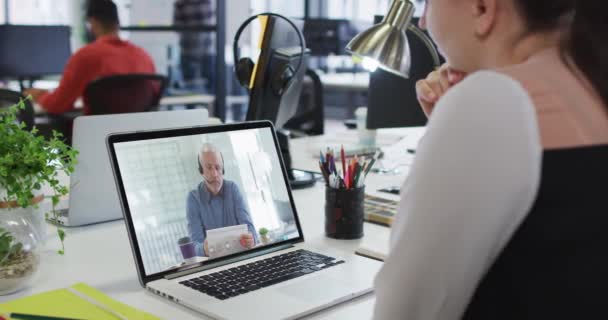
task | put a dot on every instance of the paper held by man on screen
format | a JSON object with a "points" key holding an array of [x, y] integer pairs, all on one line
{"points": [[225, 241]]}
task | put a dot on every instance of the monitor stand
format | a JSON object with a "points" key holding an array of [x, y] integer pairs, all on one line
{"points": [[298, 179]]}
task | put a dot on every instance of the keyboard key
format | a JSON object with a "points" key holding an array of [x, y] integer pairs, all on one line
{"points": [[252, 287]]}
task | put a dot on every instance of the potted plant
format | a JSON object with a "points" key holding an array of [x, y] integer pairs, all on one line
{"points": [[264, 236], [28, 162]]}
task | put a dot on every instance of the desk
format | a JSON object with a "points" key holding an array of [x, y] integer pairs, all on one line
{"points": [[393, 142], [345, 81], [205, 99], [100, 255]]}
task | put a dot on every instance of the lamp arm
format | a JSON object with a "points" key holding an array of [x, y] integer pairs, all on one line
{"points": [[427, 42]]}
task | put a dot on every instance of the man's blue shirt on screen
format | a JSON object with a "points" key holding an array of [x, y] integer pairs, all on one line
{"points": [[206, 211]]}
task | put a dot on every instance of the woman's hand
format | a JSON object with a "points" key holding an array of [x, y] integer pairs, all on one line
{"points": [[435, 85]]}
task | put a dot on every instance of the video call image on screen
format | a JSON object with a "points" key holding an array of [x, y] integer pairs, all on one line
{"points": [[200, 197]]}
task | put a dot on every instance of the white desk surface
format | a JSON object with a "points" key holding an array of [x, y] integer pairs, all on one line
{"points": [[100, 255], [205, 99]]}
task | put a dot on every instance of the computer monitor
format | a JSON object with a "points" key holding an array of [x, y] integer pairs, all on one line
{"points": [[328, 36], [392, 100], [280, 51], [29, 52], [264, 102], [280, 48]]}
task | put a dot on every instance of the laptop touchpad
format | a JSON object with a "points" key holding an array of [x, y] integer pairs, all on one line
{"points": [[317, 289]]}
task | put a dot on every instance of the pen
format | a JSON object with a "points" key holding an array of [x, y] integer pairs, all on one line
{"points": [[369, 167], [324, 172], [347, 177], [343, 161], [23, 316], [359, 168], [353, 169], [333, 162]]}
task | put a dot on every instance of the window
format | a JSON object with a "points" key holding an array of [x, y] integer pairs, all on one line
{"points": [[2, 12], [41, 12], [363, 10], [359, 10], [291, 8]]}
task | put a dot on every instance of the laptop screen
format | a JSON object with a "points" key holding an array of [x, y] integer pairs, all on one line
{"points": [[198, 197]]}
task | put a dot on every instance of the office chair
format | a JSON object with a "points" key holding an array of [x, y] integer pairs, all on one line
{"points": [[9, 98], [124, 93], [309, 119]]}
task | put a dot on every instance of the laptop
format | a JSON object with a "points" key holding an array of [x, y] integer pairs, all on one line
{"points": [[93, 196], [225, 184]]}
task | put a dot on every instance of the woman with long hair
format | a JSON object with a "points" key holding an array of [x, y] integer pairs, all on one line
{"points": [[501, 216]]}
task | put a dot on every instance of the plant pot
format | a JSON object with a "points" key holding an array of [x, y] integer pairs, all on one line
{"points": [[19, 254], [265, 239]]}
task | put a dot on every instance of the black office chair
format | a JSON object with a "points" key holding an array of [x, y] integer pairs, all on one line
{"points": [[124, 93], [309, 118], [9, 98]]}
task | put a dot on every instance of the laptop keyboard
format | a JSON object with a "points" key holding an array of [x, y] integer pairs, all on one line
{"points": [[256, 275]]}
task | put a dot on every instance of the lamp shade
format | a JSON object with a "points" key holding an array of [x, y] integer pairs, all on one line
{"points": [[387, 42]]}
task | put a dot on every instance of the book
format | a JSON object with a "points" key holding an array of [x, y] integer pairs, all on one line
{"points": [[374, 246], [379, 210], [62, 303]]}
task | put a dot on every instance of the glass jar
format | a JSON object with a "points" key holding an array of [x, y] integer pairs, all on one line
{"points": [[19, 248]]}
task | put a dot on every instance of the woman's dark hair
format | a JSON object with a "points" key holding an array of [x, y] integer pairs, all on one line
{"points": [[104, 11], [586, 43]]}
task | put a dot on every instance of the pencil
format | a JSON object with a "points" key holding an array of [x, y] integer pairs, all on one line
{"points": [[369, 166], [324, 172], [23, 316], [343, 161]]}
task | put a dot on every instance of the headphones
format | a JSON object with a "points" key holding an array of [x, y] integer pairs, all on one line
{"points": [[244, 66], [201, 169]]}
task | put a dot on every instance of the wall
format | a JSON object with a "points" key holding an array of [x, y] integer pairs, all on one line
{"points": [[157, 44]]}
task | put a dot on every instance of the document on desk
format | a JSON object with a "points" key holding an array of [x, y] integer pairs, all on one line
{"points": [[225, 241]]}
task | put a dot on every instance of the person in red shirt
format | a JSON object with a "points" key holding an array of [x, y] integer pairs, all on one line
{"points": [[107, 55]]}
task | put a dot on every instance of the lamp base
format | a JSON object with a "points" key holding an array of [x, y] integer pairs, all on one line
{"points": [[299, 179]]}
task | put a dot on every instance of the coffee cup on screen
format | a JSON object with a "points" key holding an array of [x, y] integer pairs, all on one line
{"points": [[187, 248]]}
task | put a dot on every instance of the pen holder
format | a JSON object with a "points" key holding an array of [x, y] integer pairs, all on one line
{"points": [[344, 213]]}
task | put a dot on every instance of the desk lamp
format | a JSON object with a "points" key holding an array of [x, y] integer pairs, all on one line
{"points": [[385, 44]]}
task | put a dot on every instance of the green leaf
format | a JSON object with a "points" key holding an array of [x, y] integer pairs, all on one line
{"points": [[29, 161]]}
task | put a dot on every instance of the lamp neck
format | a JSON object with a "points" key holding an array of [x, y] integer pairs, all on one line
{"points": [[400, 14]]}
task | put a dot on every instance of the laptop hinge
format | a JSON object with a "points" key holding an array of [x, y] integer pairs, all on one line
{"points": [[227, 261]]}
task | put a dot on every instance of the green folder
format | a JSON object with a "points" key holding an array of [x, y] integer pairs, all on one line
{"points": [[63, 303]]}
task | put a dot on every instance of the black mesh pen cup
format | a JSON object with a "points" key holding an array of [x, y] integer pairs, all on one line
{"points": [[344, 213]]}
